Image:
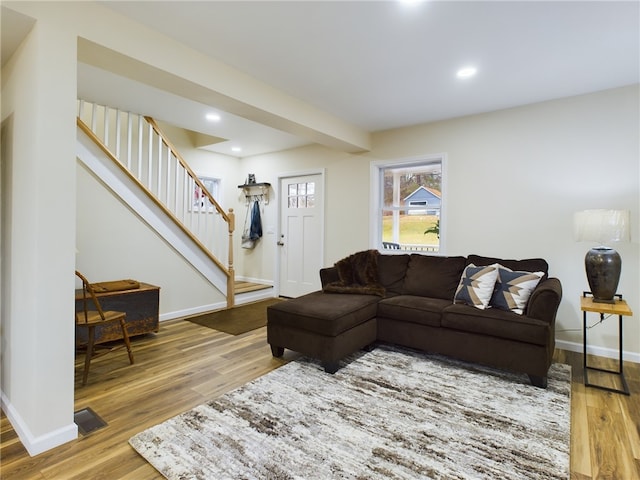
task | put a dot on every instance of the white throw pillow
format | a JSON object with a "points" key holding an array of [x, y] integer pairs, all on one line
{"points": [[513, 289], [476, 286]]}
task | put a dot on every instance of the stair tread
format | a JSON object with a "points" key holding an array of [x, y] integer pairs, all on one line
{"points": [[244, 287]]}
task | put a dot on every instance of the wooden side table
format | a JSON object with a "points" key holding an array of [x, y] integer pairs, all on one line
{"points": [[620, 308]]}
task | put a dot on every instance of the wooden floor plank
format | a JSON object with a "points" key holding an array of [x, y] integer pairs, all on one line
{"points": [[185, 365], [580, 445]]}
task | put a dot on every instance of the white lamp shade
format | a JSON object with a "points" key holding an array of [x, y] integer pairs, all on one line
{"points": [[601, 226]]}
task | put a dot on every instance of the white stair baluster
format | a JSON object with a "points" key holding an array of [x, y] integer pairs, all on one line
{"points": [[93, 117], [105, 127], [168, 185], [150, 158], [129, 140], [159, 167], [139, 177], [118, 134]]}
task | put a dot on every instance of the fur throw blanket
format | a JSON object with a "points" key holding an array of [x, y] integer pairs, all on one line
{"points": [[358, 273]]}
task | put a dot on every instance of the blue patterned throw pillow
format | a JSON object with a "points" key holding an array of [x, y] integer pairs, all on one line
{"points": [[476, 286], [513, 289]]}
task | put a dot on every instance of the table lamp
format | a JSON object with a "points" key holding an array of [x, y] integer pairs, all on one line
{"points": [[602, 263]]}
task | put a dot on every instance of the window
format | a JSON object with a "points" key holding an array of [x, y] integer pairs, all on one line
{"points": [[200, 202], [302, 195], [407, 204]]}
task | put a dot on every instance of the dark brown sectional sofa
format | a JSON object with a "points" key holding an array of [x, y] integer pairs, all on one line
{"points": [[410, 302]]}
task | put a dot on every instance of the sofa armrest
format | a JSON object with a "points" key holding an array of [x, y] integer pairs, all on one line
{"points": [[545, 300], [328, 275]]}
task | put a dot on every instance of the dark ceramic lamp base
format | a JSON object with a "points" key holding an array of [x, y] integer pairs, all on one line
{"points": [[603, 266]]}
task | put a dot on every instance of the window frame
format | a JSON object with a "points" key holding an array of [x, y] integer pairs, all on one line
{"points": [[376, 176]]}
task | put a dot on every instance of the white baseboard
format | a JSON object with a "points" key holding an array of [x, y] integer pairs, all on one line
{"points": [[598, 351], [42, 443], [187, 312], [241, 299]]}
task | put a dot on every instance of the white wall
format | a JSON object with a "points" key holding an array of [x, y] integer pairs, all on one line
{"points": [[38, 91]]}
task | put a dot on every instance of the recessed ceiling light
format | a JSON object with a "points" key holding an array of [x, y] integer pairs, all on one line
{"points": [[236, 149], [213, 117], [466, 72]]}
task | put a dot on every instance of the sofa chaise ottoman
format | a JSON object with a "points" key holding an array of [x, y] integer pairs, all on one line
{"points": [[327, 326]]}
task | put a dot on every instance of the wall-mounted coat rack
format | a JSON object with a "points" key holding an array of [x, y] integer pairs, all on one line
{"points": [[253, 190]]}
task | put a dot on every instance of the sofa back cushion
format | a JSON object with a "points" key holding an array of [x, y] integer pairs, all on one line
{"points": [[527, 265], [431, 276], [391, 272]]}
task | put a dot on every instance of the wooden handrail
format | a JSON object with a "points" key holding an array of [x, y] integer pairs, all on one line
{"points": [[229, 218], [184, 164]]}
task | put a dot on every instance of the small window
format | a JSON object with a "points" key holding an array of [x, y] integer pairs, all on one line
{"points": [[301, 195], [201, 202]]}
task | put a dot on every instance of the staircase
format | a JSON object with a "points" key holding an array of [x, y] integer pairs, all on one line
{"points": [[134, 158]]}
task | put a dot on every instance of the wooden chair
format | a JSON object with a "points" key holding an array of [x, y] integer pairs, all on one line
{"points": [[92, 318]]}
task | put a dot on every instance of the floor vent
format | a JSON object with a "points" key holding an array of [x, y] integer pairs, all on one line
{"points": [[88, 421]]}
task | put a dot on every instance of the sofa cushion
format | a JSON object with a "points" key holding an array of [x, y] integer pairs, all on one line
{"points": [[527, 265], [513, 289], [413, 309], [391, 272], [325, 313], [496, 323], [431, 276]]}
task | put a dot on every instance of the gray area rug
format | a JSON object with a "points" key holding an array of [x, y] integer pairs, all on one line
{"points": [[388, 414]]}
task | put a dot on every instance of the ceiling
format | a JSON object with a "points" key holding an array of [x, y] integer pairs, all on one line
{"points": [[385, 64]]}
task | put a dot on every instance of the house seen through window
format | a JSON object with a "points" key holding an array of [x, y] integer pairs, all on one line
{"points": [[410, 203]]}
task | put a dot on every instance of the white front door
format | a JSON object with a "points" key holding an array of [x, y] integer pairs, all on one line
{"points": [[300, 237]]}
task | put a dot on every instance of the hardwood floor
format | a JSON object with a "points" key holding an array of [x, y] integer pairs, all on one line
{"points": [[185, 365], [605, 426]]}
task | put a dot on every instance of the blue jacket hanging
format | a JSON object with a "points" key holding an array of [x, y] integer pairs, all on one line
{"points": [[255, 231]]}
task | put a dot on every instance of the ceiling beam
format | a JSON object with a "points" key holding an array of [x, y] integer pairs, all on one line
{"points": [[245, 97]]}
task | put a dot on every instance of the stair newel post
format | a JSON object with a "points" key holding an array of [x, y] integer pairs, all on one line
{"points": [[231, 278]]}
